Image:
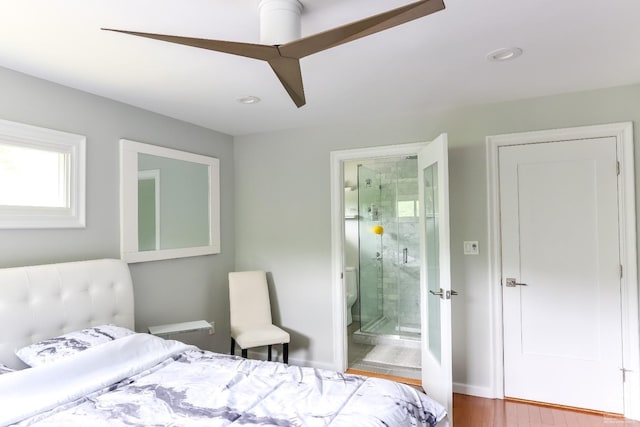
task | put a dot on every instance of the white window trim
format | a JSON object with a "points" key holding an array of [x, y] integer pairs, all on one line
{"points": [[72, 216]]}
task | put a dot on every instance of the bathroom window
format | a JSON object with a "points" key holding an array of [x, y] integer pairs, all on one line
{"points": [[41, 177], [408, 208]]}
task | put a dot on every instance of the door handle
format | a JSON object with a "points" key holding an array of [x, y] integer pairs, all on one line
{"points": [[511, 283], [444, 294]]}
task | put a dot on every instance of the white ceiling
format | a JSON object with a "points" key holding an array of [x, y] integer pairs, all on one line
{"points": [[436, 62]]}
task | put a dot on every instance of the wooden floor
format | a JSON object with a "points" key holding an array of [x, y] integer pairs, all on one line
{"points": [[469, 411]]}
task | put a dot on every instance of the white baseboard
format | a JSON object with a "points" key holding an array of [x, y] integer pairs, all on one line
{"points": [[472, 390], [459, 388], [312, 364], [277, 357]]}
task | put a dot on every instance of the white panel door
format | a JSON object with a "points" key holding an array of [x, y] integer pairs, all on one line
{"points": [[560, 273], [435, 275]]}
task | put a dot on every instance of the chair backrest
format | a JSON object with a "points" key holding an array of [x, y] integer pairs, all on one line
{"points": [[249, 302]]}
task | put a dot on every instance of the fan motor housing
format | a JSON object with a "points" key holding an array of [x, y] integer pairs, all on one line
{"points": [[279, 21]]}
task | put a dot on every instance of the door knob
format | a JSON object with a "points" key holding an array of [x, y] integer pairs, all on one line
{"points": [[511, 283]]}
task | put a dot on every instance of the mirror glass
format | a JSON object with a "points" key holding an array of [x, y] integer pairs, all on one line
{"points": [[170, 203]]}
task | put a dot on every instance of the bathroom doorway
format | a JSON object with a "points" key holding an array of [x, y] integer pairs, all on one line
{"points": [[435, 266], [382, 266]]}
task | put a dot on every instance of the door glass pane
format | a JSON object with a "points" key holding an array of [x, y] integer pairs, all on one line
{"points": [[433, 260]]}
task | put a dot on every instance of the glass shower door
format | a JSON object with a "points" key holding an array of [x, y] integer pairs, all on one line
{"points": [[389, 248], [408, 228], [370, 243]]}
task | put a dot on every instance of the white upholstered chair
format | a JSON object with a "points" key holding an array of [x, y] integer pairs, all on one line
{"points": [[250, 308]]}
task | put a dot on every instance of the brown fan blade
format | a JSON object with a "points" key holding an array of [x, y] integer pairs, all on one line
{"points": [[249, 50], [355, 30], [288, 71], [284, 59]]}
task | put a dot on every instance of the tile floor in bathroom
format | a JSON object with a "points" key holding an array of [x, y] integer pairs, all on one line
{"points": [[357, 352]]}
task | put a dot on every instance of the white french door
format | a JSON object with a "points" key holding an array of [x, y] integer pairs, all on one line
{"points": [[435, 274]]}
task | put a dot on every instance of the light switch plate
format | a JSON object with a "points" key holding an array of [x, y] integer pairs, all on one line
{"points": [[471, 247]]}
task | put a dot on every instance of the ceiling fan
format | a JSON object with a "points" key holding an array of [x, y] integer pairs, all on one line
{"points": [[281, 46]]}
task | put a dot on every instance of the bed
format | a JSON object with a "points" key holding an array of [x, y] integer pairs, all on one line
{"points": [[80, 363]]}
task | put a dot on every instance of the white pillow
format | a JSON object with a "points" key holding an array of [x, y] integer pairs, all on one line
{"points": [[52, 349], [4, 369]]}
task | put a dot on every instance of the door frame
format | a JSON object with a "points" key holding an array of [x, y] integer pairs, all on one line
{"points": [[339, 311], [623, 132]]}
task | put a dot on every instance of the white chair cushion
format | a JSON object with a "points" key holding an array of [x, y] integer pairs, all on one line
{"points": [[256, 336]]}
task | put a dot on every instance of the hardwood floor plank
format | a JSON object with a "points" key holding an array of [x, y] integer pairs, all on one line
{"points": [[471, 411], [534, 415], [546, 416], [558, 418], [404, 380]]}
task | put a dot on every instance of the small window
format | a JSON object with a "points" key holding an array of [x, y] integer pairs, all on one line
{"points": [[41, 177], [408, 208]]}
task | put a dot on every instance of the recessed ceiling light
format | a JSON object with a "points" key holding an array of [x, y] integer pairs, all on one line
{"points": [[504, 54], [249, 100]]}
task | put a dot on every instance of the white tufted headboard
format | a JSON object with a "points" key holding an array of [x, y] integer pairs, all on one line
{"points": [[45, 301]]}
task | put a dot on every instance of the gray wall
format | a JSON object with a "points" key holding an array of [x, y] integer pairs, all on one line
{"points": [[165, 291], [275, 200], [283, 209]]}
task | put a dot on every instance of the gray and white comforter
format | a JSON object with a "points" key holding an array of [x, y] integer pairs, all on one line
{"points": [[145, 380]]}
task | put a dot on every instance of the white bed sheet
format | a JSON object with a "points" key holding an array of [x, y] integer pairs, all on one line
{"points": [[145, 380]]}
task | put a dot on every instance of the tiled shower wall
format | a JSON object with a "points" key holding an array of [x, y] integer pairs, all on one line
{"points": [[395, 278]]}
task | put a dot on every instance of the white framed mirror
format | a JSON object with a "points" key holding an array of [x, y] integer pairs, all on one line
{"points": [[169, 203]]}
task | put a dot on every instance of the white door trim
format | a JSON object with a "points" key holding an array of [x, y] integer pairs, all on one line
{"points": [[627, 219], [339, 311]]}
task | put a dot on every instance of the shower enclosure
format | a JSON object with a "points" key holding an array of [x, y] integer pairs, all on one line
{"points": [[388, 241]]}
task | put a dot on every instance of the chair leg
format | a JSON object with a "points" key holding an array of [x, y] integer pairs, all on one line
{"points": [[269, 352], [285, 352], [244, 353], [233, 347]]}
